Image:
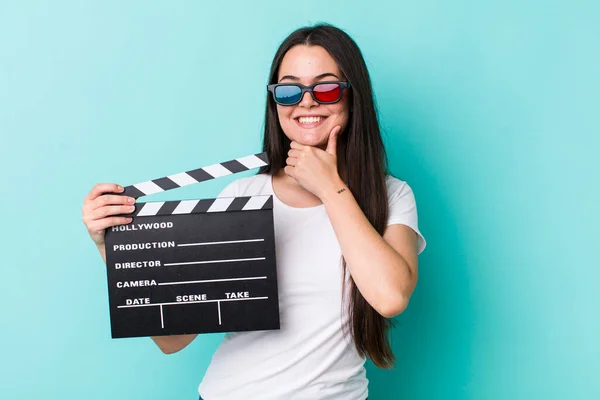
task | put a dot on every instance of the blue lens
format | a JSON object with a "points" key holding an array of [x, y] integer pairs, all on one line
{"points": [[288, 94]]}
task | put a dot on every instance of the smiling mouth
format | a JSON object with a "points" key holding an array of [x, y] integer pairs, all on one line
{"points": [[310, 122]]}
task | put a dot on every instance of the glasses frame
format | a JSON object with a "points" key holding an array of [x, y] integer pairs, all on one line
{"points": [[343, 85]]}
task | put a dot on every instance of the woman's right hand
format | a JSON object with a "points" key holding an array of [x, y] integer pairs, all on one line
{"points": [[100, 207]]}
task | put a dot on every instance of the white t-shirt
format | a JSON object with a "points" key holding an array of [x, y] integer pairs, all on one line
{"points": [[310, 356]]}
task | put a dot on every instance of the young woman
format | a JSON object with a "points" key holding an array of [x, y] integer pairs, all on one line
{"points": [[346, 232]]}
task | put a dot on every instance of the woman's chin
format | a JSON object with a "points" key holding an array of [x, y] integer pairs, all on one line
{"points": [[311, 139]]}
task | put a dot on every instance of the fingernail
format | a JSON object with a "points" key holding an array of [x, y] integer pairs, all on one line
{"points": [[130, 200], [131, 208], [119, 188]]}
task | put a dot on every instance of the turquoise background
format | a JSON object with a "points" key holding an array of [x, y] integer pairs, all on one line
{"points": [[490, 111]]}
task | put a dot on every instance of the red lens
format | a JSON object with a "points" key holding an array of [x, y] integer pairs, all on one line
{"points": [[327, 92]]}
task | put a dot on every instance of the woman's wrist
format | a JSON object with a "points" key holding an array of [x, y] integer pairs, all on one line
{"points": [[102, 249], [333, 192]]}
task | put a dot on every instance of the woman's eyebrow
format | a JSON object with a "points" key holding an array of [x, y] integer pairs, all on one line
{"points": [[316, 78]]}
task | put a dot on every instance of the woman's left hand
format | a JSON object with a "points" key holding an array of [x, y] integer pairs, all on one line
{"points": [[314, 169]]}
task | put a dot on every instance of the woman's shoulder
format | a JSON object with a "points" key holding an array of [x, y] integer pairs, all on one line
{"points": [[248, 186], [403, 207], [399, 192], [395, 185]]}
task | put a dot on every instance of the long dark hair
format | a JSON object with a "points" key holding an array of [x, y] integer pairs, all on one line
{"points": [[366, 167]]}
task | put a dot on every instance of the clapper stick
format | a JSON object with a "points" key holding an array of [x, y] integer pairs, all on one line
{"points": [[195, 176], [194, 266], [198, 175]]}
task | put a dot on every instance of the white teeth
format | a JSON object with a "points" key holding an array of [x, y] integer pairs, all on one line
{"points": [[309, 120]]}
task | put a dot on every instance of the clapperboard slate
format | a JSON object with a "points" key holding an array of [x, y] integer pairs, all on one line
{"points": [[194, 266]]}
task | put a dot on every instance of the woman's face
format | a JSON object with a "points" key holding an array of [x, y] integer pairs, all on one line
{"points": [[308, 122]]}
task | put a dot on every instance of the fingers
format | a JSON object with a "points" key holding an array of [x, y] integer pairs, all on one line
{"points": [[296, 145], [291, 161], [108, 211], [289, 171], [110, 199], [92, 217], [294, 153], [101, 188], [101, 206], [100, 211]]}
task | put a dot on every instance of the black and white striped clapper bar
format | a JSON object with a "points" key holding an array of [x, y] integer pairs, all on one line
{"points": [[194, 266]]}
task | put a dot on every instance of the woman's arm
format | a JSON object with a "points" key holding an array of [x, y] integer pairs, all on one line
{"points": [[167, 344], [383, 268]]}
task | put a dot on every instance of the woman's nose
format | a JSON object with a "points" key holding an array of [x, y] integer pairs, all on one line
{"points": [[308, 101]]}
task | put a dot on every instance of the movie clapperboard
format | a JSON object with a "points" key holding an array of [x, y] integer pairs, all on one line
{"points": [[194, 266]]}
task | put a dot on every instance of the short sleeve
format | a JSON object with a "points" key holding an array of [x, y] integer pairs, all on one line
{"points": [[229, 190], [403, 208]]}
